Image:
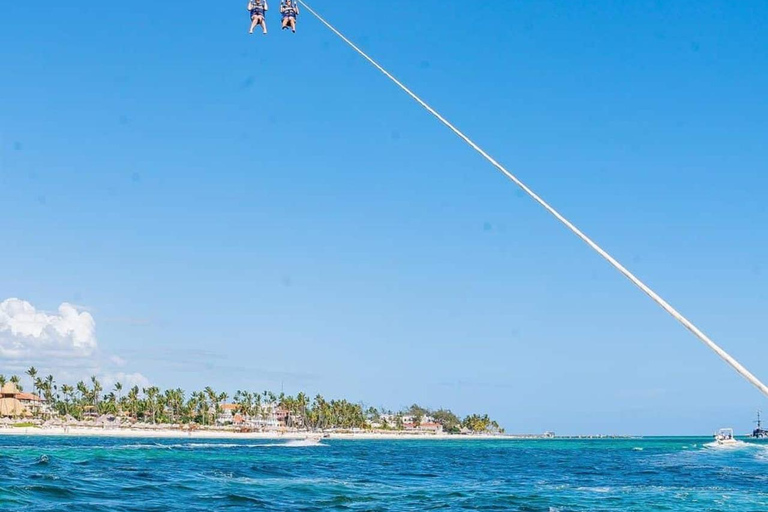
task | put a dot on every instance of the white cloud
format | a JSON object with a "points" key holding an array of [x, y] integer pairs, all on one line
{"points": [[117, 361], [63, 344], [128, 380], [26, 332]]}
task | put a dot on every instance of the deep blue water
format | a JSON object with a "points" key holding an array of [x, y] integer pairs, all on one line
{"points": [[553, 475]]}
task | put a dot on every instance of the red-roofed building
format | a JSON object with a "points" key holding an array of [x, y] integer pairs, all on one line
{"points": [[10, 405], [433, 427], [33, 403], [228, 413]]}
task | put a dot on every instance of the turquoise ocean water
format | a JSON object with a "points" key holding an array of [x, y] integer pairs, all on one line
{"points": [[96, 474]]}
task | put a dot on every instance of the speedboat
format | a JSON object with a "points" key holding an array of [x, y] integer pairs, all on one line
{"points": [[724, 437]]}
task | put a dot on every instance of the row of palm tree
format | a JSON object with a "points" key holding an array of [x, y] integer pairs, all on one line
{"points": [[88, 399], [14, 378], [451, 422], [301, 411]]}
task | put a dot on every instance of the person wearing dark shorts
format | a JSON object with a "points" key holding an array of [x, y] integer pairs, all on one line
{"points": [[257, 10], [290, 12]]}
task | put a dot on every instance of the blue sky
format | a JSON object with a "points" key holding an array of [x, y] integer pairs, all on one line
{"points": [[258, 212]]}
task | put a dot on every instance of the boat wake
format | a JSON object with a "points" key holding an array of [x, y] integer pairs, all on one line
{"points": [[733, 445], [303, 443], [295, 443]]}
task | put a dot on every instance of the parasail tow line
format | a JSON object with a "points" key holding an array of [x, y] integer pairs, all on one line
{"points": [[618, 266]]}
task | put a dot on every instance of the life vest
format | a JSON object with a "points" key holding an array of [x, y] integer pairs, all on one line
{"points": [[257, 9], [289, 11]]}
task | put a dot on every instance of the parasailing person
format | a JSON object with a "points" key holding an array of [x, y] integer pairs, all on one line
{"points": [[258, 9], [290, 12]]}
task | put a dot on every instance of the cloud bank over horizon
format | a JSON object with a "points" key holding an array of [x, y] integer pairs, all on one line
{"points": [[26, 331], [63, 342]]}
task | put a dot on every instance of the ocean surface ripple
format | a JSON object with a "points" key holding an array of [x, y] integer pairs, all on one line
{"points": [[95, 474]]}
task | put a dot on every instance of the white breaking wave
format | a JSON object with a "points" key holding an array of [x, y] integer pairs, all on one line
{"points": [[300, 443], [297, 443]]}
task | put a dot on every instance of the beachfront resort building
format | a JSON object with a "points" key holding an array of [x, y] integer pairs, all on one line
{"points": [[269, 417], [407, 422], [15, 404], [423, 424], [229, 415], [34, 404], [10, 405], [430, 426]]}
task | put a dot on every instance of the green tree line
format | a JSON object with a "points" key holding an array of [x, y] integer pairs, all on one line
{"points": [[88, 399]]}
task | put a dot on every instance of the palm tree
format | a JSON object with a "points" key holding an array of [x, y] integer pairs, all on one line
{"points": [[15, 379], [214, 401], [320, 415], [179, 402], [256, 410], [174, 398], [244, 402], [133, 402], [151, 394], [198, 405], [50, 388], [81, 400], [192, 406], [221, 399], [301, 405], [32, 372], [119, 390], [169, 398], [38, 384], [96, 392], [80, 387], [2, 380], [68, 391], [109, 405]]}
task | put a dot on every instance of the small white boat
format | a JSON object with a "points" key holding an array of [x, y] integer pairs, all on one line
{"points": [[724, 437], [303, 442]]}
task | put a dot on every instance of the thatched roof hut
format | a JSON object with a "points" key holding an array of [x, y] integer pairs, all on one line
{"points": [[9, 403]]}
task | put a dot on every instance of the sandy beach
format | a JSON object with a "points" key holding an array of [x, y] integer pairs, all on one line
{"points": [[147, 433]]}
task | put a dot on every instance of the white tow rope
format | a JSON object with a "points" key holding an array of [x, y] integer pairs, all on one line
{"points": [[618, 266]]}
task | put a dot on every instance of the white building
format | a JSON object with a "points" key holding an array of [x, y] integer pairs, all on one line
{"points": [[270, 416], [35, 404], [228, 415], [426, 423]]}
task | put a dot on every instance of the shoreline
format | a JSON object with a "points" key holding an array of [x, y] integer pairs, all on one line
{"points": [[159, 433], [139, 433]]}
